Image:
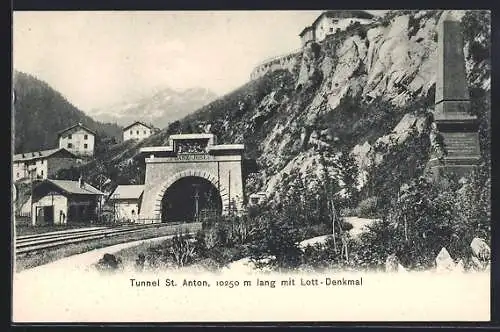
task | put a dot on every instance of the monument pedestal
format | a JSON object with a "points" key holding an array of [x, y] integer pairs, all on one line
{"points": [[460, 140]]}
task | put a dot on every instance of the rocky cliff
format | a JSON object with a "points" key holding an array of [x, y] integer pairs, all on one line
{"points": [[356, 106]]}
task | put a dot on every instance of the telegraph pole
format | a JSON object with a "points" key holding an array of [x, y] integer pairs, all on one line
{"points": [[229, 189], [196, 204]]}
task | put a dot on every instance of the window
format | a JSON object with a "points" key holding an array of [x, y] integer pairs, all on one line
{"points": [[70, 136], [85, 146], [17, 174], [144, 132], [138, 132], [131, 132], [85, 136], [70, 145], [41, 172], [331, 29]]}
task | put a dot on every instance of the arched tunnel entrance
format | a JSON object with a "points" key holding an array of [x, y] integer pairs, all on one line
{"points": [[191, 198]]}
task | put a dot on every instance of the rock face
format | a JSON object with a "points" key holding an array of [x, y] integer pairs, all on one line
{"points": [[481, 254], [361, 93], [460, 267], [444, 262], [480, 249]]}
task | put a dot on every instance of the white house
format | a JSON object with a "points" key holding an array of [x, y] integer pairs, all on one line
{"points": [[78, 139], [138, 130], [126, 200], [41, 165], [64, 202], [332, 20]]}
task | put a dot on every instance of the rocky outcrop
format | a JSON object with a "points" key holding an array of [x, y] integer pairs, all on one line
{"points": [[444, 262]]}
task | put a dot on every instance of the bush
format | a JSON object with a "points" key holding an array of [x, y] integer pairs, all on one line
{"points": [[278, 241], [370, 250], [367, 208], [182, 249], [109, 263], [426, 217]]}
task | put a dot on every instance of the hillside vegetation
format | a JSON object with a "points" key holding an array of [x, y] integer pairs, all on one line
{"points": [[40, 112], [344, 133], [359, 101]]}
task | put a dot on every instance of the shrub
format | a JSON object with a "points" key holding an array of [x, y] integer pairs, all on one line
{"points": [[182, 249], [243, 229], [278, 241], [335, 253], [139, 262], [367, 208], [370, 250], [473, 211], [109, 263]]}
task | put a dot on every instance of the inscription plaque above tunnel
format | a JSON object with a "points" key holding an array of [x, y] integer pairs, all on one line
{"points": [[191, 178]]}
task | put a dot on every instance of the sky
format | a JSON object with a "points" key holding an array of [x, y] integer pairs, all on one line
{"points": [[96, 59]]}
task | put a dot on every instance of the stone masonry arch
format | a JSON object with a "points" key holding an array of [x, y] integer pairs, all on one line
{"points": [[192, 155], [223, 191]]}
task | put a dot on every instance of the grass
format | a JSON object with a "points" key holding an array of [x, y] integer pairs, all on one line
{"points": [[129, 255], [46, 256]]}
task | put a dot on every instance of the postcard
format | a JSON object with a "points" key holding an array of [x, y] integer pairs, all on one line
{"points": [[251, 166]]}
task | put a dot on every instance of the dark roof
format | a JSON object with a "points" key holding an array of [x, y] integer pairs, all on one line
{"points": [[40, 154], [138, 122], [77, 125], [305, 30], [73, 187], [343, 14]]}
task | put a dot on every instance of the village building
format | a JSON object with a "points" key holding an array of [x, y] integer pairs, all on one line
{"points": [[41, 165], [138, 131], [331, 21], [126, 201], [78, 139], [307, 35], [59, 202]]}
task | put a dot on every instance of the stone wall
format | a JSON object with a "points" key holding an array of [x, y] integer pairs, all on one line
{"points": [[284, 62]]}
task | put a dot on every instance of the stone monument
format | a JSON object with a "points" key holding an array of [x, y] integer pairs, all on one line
{"points": [[455, 136]]}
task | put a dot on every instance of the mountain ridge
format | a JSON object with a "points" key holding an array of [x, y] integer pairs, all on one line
{"points": [[40, 112], [162, 106]]}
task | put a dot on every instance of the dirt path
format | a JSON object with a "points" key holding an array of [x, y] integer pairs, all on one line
{"points": [[80, 262]]}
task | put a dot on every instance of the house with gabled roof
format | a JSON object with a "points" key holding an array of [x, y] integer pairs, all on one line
{"points": [[138, 131], [78, 139], [65, 202], [40, 165], [126, 200], [330, 21]]}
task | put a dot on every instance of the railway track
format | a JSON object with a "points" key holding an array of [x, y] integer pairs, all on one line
{"points": [[31, 243]]}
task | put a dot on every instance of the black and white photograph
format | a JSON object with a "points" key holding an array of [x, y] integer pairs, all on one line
{"points": [[251, 165]]}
